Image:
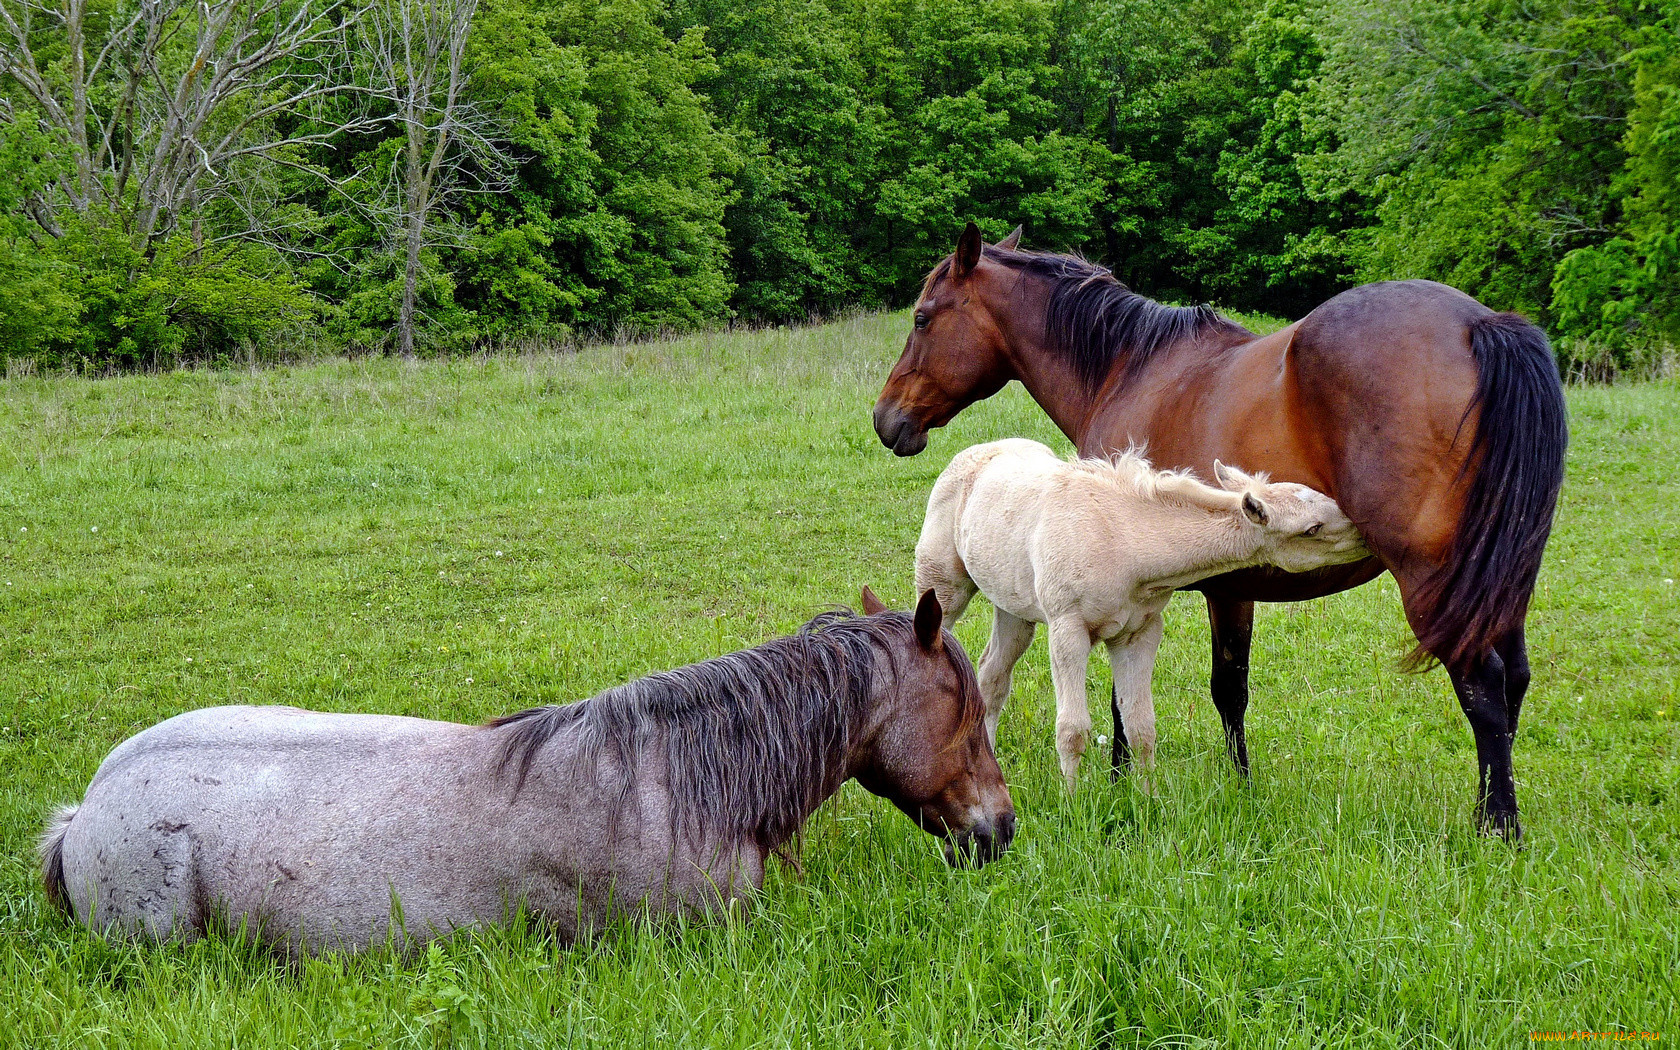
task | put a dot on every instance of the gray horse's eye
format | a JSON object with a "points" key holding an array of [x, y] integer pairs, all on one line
{"points": [[1314, 530]]}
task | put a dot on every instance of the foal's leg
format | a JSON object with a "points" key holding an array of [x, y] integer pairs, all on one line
{"points": [[938, 568], [954, 599], [1010, 637], [1133, 663], [1233, 628], [1070, 650]]}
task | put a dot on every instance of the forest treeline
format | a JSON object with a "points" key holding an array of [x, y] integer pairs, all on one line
{"points": [[205, 179]]}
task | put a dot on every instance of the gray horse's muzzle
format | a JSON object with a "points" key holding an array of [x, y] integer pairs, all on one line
{"points": [[980, 844], [898, 431]]}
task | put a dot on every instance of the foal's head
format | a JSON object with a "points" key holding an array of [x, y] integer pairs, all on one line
{"points": [[1301, 528], [926, 749]]}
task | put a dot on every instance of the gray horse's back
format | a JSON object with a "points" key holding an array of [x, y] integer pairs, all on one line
{"points": [[340, 831], [275, 816]]}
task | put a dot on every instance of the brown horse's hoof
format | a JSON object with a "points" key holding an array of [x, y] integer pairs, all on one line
{"points": [[1500, 825]]}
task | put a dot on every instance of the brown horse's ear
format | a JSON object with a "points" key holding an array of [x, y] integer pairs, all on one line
{"points": [[928, 617], [1011, 242], [1255, 510], [872, 604], [967, 255]]}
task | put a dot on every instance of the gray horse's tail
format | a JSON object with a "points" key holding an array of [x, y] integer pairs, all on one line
{"points": [[51, 851]]}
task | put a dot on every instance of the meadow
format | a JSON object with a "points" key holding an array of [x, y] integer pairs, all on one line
{"points": [[463, 538]]}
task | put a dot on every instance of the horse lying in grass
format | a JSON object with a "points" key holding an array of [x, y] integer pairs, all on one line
{"points": [[339, 831], [1095, 548]]}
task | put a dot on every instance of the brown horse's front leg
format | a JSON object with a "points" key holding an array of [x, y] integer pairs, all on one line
{"points": [[1483, 697], [1232, 622]]}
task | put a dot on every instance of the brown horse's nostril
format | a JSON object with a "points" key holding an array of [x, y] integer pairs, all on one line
{"points": [[897, 430]]}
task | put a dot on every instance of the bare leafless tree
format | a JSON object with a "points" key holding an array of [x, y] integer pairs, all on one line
{"points": [[417, 51], [164, 106]]}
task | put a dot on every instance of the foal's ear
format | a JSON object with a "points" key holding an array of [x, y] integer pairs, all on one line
{"points": [[1011, 242], [1255, 510], [872, 604], [967, 255], [928, 617], [1230, 478]]}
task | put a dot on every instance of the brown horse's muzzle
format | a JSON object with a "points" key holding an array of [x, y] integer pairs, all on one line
{"points": [[897, 430], [982, 843]]}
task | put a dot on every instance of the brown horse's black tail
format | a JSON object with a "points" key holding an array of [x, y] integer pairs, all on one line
{"points": [[51, 851], [1481, 595]]}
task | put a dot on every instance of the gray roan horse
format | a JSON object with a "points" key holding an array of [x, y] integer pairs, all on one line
{"points": [[667, 794]]}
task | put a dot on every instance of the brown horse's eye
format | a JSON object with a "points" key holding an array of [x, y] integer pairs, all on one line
{"points": [[921, 320]]}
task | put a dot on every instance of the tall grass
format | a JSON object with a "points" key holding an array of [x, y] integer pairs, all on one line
{"points": [[463, 538]]}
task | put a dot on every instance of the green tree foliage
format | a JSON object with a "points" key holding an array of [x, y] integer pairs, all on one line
{"points": [[1620, 299], [683, 163]]}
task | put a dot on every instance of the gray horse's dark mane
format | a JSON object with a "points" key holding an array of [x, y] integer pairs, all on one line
{"points": [[1092, 318], [752, 741]]}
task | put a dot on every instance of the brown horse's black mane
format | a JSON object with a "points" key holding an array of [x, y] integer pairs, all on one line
{"points": [[752, 741], [1091, 318]]}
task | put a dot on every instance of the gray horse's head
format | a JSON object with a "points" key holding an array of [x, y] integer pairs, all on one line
{"points": [[926, 749]]}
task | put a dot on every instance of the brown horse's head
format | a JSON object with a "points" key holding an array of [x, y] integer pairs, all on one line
{"points": [[926, 749], [955, 354]]}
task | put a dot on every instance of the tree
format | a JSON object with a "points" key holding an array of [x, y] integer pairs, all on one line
{"points": [[417, 51], [163, 107]]}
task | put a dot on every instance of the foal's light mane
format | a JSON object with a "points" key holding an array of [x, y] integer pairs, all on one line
{"points": [[1178, 486]]}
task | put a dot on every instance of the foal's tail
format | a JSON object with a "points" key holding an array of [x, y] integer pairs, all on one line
{"points": [[1481, 594], [51, 851]]}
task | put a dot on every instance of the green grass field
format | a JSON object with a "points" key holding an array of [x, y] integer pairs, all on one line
{"points": [[461, 539]]}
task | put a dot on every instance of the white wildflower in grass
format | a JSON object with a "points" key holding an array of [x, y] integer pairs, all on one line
{"points": [[498, 554], [94, 529], [23, 528], [469, 681]]}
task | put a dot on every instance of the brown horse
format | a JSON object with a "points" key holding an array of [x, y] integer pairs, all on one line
{"points": [[1437, 425]]}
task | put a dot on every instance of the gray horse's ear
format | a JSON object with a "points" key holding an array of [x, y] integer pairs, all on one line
{"points": [[1011, 242], [872, 604], [928, 617], [967, 255], [1255, 510]]}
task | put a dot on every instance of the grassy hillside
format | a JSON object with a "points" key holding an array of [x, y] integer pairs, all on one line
{"points": [[461, 539]]}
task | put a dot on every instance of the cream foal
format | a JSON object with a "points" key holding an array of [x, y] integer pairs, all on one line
{"points": [[1095, 548]]}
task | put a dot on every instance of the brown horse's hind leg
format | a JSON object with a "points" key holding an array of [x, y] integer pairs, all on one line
{"points": [[1513, 649], [1490, 693], [1122, 747], [1232, 622], [1482, 695]]}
